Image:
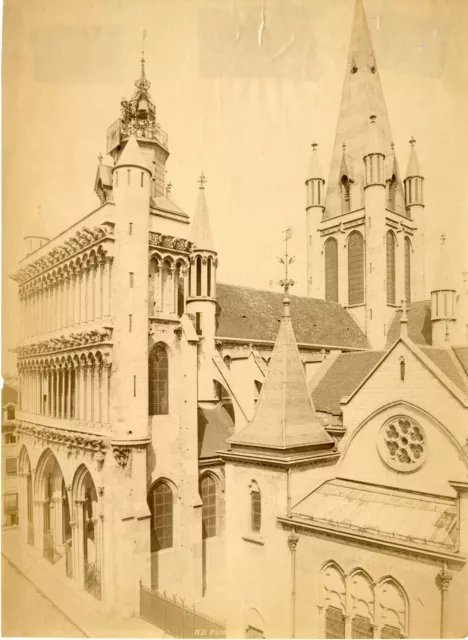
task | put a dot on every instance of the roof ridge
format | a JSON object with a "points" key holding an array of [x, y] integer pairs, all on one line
{"points": [[279, 293]]}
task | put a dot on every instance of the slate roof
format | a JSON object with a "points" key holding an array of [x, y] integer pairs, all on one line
{"points": [[215, 426], [419, 324], [462, 355], [254, 314], [285, 417], [344, 375], [131, 155], [444, 360], [163, 203], [391, 514]]}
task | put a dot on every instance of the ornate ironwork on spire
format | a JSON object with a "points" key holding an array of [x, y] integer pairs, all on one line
{"points": [[286, 283]]}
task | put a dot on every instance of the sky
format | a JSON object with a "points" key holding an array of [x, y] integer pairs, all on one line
{"points": [[242, 87]]}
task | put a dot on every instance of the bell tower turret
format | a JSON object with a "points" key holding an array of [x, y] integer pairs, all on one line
{"points": [[414, 204], [315, 192]]}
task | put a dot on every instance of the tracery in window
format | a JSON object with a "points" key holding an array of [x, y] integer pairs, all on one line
{"points": [[161, 505], [158, 382], [208, 495]]}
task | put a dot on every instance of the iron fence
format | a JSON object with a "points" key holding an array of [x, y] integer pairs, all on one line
{"points": [[175, 617], [92, 576]]}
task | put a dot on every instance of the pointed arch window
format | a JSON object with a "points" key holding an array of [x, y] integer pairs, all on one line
{"points": [[355, 268], [392, 193], [158, 380], [208, 277], [161, 506], [209, 508], [331, 270], [199, 276], [391, 268], [408, 269], [345, 194]]}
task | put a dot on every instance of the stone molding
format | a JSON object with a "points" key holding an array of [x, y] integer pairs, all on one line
{"points": [[83, 239], [71, 440], [169, 242], [67, 342]]}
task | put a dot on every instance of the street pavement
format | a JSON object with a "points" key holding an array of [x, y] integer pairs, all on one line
{"points": [[25, 612]]}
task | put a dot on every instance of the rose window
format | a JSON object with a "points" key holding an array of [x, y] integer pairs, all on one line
{"points": [[402, 444]]}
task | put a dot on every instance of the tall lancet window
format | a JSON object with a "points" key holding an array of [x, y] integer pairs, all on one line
{"points": [[209, 267], [158, 382], [407, 269], [392, 193], [391, 267], [331, 270], [355, 268], [199, 276], [345, 194]]}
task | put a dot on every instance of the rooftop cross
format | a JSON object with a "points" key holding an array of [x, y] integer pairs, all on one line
{"points": [[202, 180], [168, 187], [314, 146], [100, 158], [343, 146], [443, 238], [412, 141], [286, 283]]}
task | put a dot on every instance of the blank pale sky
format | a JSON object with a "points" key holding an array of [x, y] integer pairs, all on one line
{"points": [[242, 88]]}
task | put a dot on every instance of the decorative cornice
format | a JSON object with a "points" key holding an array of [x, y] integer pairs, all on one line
{"points": [[169, 242], [67, 342], [69, 439], [82, 239]]}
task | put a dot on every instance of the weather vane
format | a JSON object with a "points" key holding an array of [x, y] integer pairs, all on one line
{"points": [[286, 283]]}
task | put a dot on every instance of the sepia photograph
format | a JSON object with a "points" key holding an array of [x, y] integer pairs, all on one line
{"points": [[235, 319]]}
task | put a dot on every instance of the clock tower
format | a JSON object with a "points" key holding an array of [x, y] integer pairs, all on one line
{"points": [[138, 118]]}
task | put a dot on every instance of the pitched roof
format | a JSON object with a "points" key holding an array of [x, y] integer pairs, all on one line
{"points": [[362, 96], [104, 174], [131, 155], [162, 203], [285, 417], [391, 514], [445, 361], [201, 234], [462, 355], [419, 324], [215, 426], [254, 314], [344, 375], [9, 395]]}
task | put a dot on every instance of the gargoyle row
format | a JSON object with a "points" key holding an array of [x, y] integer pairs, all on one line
{"points": [[83, 238], [71, 341], [95, 443], [169, 242]]}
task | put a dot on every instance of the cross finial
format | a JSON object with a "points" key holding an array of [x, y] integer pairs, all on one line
{"points": [[392, 146], [343, 146], [202, 180], [286, 283], [372, 118], [443, 237], [100, 158], [168, 187], [314, 146], [412, 141]]}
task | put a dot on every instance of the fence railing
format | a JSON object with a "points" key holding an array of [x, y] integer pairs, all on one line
{"points": [[92, 576], [173, 616]]}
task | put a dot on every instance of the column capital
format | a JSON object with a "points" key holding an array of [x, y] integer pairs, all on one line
{"points": [[293, 539], [444, 578]]}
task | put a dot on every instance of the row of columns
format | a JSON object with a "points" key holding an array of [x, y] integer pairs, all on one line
{"points": [[202, 281], [164, 282], [80, 295], [69, 391]]}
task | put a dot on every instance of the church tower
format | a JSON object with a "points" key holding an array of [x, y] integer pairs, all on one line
{"points": [[201, 300], [363, 242]]}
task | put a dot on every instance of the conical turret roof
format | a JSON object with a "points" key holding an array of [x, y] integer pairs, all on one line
{"points": [[362, 96], [132, 155], [201, 234], [414, 168], [285, 417], [443, 279], [315, 170]]}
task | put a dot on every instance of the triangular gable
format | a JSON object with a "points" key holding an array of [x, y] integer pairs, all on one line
{"points": [[416, 351]]}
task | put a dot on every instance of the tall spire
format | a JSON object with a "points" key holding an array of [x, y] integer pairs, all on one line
{"points": [[414, 170], [285, 416], [362, 96], [201, 234]]}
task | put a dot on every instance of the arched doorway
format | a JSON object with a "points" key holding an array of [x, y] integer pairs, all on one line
{"points": [[54, 512], [88, 534]]}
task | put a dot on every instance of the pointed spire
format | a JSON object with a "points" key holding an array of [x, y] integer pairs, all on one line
{"points": [[315, 170], [362, 94], [443, 280], [285, 416], [414, 170], [201, 234], [132, 155]]}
